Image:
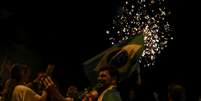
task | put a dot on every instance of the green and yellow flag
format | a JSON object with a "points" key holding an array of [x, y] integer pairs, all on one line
{"points": [[124, 57]]}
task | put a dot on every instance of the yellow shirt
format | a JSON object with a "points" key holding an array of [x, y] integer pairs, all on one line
{"points": [[23, 93]]}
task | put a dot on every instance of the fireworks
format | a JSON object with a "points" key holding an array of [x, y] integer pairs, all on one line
{"points": [[147, 17]]}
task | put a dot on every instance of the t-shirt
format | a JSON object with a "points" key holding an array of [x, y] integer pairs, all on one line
{"points": [[23, 93], [110, 94]]}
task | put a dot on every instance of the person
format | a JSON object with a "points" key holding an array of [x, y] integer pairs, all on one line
{"points": [[131, 95], [91, 95], [107, 80], [16, 89], [176, 92], [5, 70], [72, 93], [108, 76], [53, 91]]}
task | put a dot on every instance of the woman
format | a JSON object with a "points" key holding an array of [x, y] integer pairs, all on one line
{"points": [[16, 89]]}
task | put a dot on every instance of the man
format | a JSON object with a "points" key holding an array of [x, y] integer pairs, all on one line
{"points": [[108, 76]]}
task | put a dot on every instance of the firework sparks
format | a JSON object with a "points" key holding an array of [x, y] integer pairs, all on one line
{"points": [[149, 18]]}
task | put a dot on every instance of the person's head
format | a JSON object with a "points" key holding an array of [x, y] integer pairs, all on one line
{"points": [[176, 92], [131, 95], [20, 73], [72, 91], [108, 75]]}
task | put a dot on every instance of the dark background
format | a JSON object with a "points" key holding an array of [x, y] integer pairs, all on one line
{"points": [[64, 33], [68, 33]]}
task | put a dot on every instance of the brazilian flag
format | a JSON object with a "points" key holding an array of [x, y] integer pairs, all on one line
{"points": [[123, 56]]}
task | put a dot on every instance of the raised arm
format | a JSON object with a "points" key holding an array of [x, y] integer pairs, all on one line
{"points": [[51, 88]]}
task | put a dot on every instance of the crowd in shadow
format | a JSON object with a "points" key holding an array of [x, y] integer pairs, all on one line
{"points": [[18, 86]]}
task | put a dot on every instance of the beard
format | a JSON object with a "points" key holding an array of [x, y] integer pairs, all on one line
{"points": [[104, 85]]}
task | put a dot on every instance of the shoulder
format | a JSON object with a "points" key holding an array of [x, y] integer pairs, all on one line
{"points": [[114, 90], [19, 92], [22, 89], [113, 95], [23, 92]]}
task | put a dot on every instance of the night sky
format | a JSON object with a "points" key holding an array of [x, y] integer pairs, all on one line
{"points": [[68, 33], [64, 33]]}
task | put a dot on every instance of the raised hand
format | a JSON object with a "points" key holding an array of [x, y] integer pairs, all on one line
{"points": [[47, 81]]}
